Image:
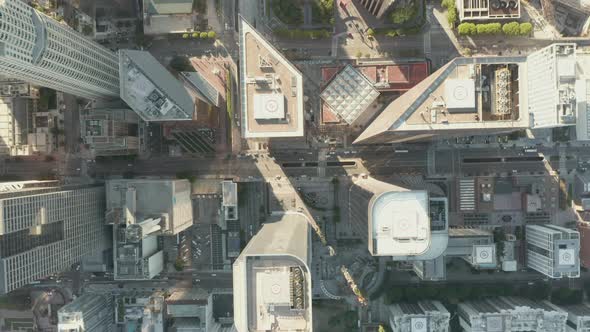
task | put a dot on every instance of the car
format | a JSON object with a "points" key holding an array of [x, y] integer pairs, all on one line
{"points": [[213, 275], [129, 165]]}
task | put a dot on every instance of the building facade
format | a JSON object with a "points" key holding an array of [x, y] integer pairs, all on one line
{"points": [[424, 316], [553, 250], [44, 230], [111, 132], [508, 314], [91, 312], [406, 224], [38, 49], [377, 7], [272, 280]]}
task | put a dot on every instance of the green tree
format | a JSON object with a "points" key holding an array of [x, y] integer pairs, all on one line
{"points": [[179, 264], [448, 3], [370, 32], [288, 11], [211, 34], [403, 14], [195, 35], [359, 54], [185, 35], [181, 63], [489, 29], [511, 29], [466, 29], [87, 29], [452, 16], [203, 35], [525, 28]]}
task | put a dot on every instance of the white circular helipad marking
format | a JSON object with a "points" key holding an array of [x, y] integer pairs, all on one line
{"points": [[275, 289], [484, 254], [272, 106], [460, 93]]}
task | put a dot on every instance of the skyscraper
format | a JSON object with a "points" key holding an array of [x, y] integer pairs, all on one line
{"points": [[91, 312], [553, 250], [272, 281], [44, 230], [38, 49]]}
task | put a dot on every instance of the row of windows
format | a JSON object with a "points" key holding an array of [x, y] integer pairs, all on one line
{"points": [[45, 77], [86, 235]]}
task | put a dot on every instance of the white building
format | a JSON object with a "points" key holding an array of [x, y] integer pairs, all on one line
{"points": [[44, 230], [510, 314], [271, 88], [424, 316], [553, 250], [140, 211], [578, 317], [151, 90], [398, 221], [491, 95], [229, 190], [91, 312], [143, 313], [488, 10], [38, 49], [272, 280]]}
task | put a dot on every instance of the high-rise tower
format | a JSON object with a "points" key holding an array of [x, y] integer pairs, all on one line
{"points": [[44, 229], [38, 49]]}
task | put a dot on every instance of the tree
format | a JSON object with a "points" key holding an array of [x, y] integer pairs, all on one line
{"points": [[452, 16], [359, 54], [448, 3], [195, 35], [179, 264], [489, 29], [403, 14], [184, 35], [525, 28], [511, 29], [203, 35], [87, 29], [181, 63], [211, 34], [466, 29], [370, 32]]}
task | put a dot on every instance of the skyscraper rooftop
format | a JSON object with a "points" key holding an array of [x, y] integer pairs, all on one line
{"points": [[271, 88], [488, 95], [272, 281], [151, 90]]}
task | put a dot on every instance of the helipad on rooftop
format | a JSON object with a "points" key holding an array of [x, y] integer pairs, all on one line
{"points": [[271, 89]]}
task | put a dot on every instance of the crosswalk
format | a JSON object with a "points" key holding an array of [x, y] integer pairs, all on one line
{"points": [[467, 194]]}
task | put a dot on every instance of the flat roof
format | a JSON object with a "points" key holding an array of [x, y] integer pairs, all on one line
{"points": [[400, 223], [272, 281], [151, 90], [229, 190], [428, 108], [154, 197], [264, 70]]}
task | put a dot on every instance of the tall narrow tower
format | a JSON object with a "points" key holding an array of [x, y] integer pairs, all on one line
{"points": [[36, 48]]}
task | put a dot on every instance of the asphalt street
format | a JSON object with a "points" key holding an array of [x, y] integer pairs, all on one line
{"points": [[376, 160]]}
